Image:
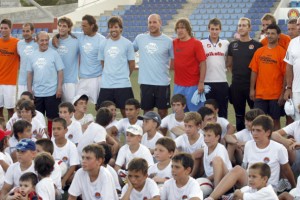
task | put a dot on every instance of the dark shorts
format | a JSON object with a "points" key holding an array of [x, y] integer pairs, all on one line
{"points": [[155, 96], [117, 95], [270, 107], [48, 105]]}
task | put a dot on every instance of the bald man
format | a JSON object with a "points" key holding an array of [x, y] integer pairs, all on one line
{"points": [[45, 78], [156, 54]]}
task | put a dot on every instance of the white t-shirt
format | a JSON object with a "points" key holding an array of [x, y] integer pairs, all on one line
{"points": [[244, 135], [37, 128], [292, 58], [151, 143], [149, 191], [170, 122], [7, 159], [67, 153], [85, 119], [220, 151], [123, 124], [74, 132], [56, 176], [94, 133], [170, 191], [215, 60], [114, 176], [45, 189], [14, 173], [125, 155], [293, 129], [164, 173], [102, 188], [183, 143], [39, 116], [223, 123], [265, 193], [274, 155]]}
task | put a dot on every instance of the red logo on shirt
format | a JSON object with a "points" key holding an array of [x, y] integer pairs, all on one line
{"points": [[70, 136], [208, 45], [266, 160], [97, 195], [65, 159]]}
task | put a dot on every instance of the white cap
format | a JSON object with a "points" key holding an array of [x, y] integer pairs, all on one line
{"points": [[135, 130], [77, 97], [289, 108]]}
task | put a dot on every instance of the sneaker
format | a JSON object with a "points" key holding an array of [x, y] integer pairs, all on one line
{"points": [[283, 185], [227, 197]]}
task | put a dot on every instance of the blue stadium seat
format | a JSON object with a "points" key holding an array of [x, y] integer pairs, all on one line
{"points": [[201, 22], [281, 21], [46, 29], [225, 28], [203, 28], [228, 34], [37, 30]]}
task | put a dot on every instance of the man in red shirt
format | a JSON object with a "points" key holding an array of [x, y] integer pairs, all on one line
{"points": [[189, 63]]}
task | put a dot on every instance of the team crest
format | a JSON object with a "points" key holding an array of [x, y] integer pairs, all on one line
{"points": [[98, 195], [293, 13], [235, 45], [251, 46], [220, 45], [70, 136], [266, 160], [65, 159], [208, 45], [184, 197]]}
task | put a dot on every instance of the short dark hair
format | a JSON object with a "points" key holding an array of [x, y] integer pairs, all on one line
{"points": [[29, 176], [108, 153], [7, 21], [292, 21], [103, 117], [46, 144], [107, 104], [67, 105], [138, 165], [66, 20], [60, 120], [82, 97], [265, 121], [44, 164], [178, 98], [133, 102], [214, 127], [204, 111], [276, 27], [168, 143], [30, 25], [28, 105], [253, 113], [91, 21], [96, 149], [212, 102], [29, 94], [115, 20], [215, 22], [186, 24], [19, 127], [185, 159], [264, 169]]}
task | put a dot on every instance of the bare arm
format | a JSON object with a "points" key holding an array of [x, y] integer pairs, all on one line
{"points": [[71, 197], [202, 76], [230, 139], [60, 75], [68, 174], [29, 81], [252, 85], [5, 189], [278, 136], [230, 129], [289, 80], [131, 64], [172, 64], [287, 171], [229, 63]]}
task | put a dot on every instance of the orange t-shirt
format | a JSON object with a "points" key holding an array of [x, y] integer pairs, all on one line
{"points": [[284, 41], [9, 61], [270, 69]]}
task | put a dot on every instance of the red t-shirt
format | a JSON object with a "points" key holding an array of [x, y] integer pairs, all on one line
{"points": [[187, 57]]}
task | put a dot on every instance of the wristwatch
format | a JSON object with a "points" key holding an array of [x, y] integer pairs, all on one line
{"points": [[288, 87]]}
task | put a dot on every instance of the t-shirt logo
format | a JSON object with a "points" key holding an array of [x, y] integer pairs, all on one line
{"points": [[65, 159], [41, 62], [151, 48], [98, 195], [220, 45], [113, 52], [266, 160], [251, 46], [70, 136], [145, 198], [28, 50], [208, 45], [235, 45], [87, 48], [184, 197], [62, 50]]}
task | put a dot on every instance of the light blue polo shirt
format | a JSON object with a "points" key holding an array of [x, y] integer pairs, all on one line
{"points": [[25, 50], [116, 55], [68, 50], [155, 54], [90, 66], [45, 66]]}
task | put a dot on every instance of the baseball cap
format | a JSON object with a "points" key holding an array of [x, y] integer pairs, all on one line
{"points": [[26, 144], [3, 134], [135, 130], [151, 115], [77, 97], [289, 108]]}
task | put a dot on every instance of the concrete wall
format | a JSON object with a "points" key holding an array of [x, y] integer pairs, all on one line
{"points": [[282, 10], [9, 3]]}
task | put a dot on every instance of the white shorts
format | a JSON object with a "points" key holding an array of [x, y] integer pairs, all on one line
{"points": [[8, 96], [69, 92], [296, 101], [21, 89], [90, 87]]}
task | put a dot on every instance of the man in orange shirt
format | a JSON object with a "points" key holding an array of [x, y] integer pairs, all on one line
{"points": [[268, 70], [9, 64]]}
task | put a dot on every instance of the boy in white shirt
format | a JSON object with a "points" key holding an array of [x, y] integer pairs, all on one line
{"points": [[260, 149], [139, 186], [26, 151], [236, 142], [66, 111], [111, 106], [215, 160], [174, 122], [151, 122], [163, 152], [44, 165], [93, 181], [64, 149], [133, 149], [80, 103], [181, 186]]}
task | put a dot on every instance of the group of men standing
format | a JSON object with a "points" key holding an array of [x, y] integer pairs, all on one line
{"points": [[82, 63]]}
